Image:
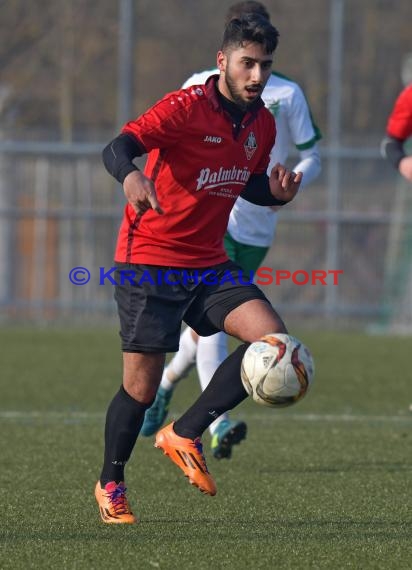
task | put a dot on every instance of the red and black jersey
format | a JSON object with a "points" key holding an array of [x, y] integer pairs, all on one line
{"points": [[399, 124], [199, 163]]}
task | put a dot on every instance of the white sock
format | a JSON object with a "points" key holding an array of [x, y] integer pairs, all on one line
{"points": [[213, 426], [165, 382], [211, 351], [181, 362]]}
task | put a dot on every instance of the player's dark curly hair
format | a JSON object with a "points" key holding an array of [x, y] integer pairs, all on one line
{"points": [[249, 7], [250, 28]]}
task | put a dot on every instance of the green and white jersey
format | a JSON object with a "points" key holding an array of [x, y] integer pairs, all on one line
{"points": [[255, 225]]}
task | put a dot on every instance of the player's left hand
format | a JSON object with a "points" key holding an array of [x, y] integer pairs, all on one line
{"points": [[284, 184]]}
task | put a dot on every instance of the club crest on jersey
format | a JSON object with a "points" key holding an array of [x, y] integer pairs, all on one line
{"points": [[274, 107], [250, 145]]}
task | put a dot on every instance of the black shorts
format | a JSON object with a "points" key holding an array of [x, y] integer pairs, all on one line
{"points": [[153, 301]]}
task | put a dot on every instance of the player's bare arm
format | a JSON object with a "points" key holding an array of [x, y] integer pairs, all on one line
{"points": [[141, 193]]}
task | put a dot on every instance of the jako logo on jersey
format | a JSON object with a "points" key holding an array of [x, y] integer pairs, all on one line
{"points": [[213, 178], [211, 139], [250, 145]]}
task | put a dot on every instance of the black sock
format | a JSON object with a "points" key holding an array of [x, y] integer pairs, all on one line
{"points": [[124, 419], [224, 392]]}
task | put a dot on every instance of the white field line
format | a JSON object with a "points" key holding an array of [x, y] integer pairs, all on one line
{"points": [[37, 415], [80, 417], [328, 418]]}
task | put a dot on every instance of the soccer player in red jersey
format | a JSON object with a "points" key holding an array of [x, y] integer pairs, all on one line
{"points": [[398, 130], [206, 146], [250, 233]]}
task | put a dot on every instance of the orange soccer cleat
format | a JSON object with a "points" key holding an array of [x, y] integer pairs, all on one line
{"points": [[113, 505], [188, 455]]}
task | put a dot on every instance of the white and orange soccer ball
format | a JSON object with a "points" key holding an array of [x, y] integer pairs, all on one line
{"points": [[277, 370]]}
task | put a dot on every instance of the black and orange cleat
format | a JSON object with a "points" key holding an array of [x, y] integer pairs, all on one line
{"points": [[113, 505], [188, 455]]}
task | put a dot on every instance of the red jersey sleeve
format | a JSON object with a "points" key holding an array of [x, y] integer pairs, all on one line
{"points": [[400, 120], [162, 125]]}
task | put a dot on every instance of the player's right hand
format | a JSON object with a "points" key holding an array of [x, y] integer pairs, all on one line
{"points": [[140, 193], [405, 167]]}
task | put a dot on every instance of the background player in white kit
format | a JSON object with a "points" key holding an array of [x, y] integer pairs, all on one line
{"points": [[250, 233]]}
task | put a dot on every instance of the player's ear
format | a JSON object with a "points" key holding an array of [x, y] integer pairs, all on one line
{"points": [[221, 61]]}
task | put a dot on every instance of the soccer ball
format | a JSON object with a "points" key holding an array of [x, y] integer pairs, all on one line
{"points": [[277, 370]]}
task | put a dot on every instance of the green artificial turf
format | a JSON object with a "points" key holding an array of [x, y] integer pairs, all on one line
{"points": [[324, 484]]}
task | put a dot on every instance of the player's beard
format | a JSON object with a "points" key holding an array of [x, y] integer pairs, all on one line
{"points": [[235, 92]]}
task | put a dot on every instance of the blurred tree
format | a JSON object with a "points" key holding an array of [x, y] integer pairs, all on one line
{"points": [[58, 59], [58, 62]]}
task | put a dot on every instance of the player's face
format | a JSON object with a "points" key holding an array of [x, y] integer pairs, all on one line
{"points": [[244, 73]]}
